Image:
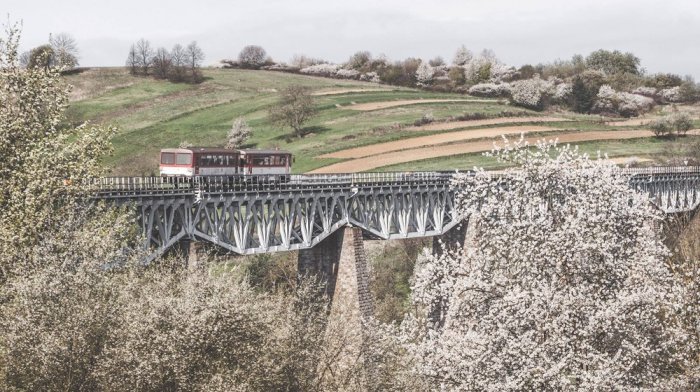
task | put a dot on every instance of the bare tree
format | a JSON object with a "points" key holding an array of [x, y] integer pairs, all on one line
{"points": [[144, 55], [294, 108], [194, 56], [161, 63], [178, 59], [132, 60], [252, 56], [239, 134], [65, 50]]}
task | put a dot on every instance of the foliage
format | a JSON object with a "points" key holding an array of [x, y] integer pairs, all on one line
{"points": [[44, 162], [675, 124], [42, 57], [563, 285], [252, 56], [531, 93], [294, 108], [609, 101], [584, 90], [424, 74], [65, 50], [240, 133], [613, 62], [490, 90]]}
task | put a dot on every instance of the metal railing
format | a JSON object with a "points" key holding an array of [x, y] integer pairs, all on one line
{"points": [[247, 183]]}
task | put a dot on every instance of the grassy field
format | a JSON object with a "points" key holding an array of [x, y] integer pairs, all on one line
{"points": [[154, 114]]}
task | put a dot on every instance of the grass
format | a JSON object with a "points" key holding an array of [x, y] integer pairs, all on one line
{"points": [[152, 114], [659, 149]]}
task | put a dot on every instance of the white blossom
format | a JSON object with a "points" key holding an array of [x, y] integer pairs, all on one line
{"points": [[324, 69], [490, 89], [531, 93], [610, 101], [563, 285], [424, 74]]}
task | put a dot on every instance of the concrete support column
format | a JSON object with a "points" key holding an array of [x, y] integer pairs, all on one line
{"points": [[341, 263], [195, 253]]}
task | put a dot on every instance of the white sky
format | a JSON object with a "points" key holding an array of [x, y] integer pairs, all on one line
{"points": [[665, 34]]}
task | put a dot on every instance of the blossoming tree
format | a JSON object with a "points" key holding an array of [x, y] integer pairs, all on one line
{"points": [[561, 286]]}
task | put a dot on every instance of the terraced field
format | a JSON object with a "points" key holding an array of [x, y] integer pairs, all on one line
{"points": [[356, 120]]}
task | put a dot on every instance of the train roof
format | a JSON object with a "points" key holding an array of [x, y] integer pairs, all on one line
{"points": [[220, 150], [252, 151]]}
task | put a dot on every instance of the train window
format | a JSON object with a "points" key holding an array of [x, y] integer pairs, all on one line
{"points": [[184, 159], [283, 161], [167, 158]]}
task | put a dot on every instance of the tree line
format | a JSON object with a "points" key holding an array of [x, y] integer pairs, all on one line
{"points": [[180, 64]]}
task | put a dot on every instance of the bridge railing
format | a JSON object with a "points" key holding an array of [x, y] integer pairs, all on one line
{"points": [[247, 183], [174, 185]]}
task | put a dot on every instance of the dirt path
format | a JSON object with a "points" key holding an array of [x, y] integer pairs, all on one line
{"points": [[390, 104], [444, 126], [632, 122], [396, 157], [351, 90], [440, 138]]}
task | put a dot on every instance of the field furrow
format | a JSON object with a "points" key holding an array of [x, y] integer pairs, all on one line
{"points": [[416, 154]]}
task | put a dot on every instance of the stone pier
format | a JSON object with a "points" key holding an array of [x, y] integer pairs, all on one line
{"points": [[341, 264]]}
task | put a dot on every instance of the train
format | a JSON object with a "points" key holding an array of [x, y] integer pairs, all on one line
{"points": [[212, 161]]}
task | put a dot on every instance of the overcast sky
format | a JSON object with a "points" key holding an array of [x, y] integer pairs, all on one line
{"points": [[665, 34]]}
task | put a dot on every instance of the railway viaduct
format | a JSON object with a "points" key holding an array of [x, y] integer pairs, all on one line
{"points": [[326, 217]]}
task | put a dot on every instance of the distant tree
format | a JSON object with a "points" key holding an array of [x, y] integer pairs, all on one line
{"points": [[665, 80], [252, 56], [462, 56], [436, 62], [144, 56], [240, 132], [456, 75], [194, 56], [360, 60], [178, 60], [41, 57], [613, 62], [162, 63], [132, 60], [527, 71], [584, 90], [424, 74], [303, 61], [65, 50], [294, 108]]}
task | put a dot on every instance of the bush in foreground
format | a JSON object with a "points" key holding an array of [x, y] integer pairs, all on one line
{"points": [[563, 286]]}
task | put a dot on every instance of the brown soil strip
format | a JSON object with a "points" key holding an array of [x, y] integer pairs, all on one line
{"points": [[390, 104], [632, 122], [350, 90], [443, 126], [396, 157], [440, 138]]}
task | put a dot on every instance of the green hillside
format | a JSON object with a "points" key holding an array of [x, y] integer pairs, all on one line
{"points": [[153, 114]]}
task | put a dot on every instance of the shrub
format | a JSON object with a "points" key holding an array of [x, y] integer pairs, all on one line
{"points": [[348, 73], [321, 69], [252, 56], [671, 95], [426, 119], [424, 74], [609, 101], [238, 134], [531, 93], [660, 127], [370, 77], [490, 90]]}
